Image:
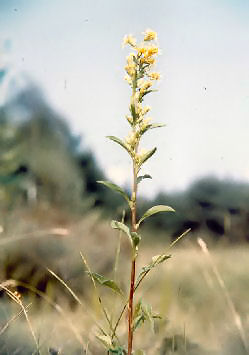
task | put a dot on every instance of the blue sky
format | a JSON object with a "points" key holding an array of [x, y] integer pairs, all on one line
{"points": [[72, 49]]}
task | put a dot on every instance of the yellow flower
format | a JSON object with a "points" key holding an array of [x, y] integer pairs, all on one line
{"points": [[131, 140], [130, 59], [147, 60], [141, 50], [131, 65], [145, 87], [154, 76], [140, 155], [150, 35], [129, 119], [128, 79], [130, 70], [144, 125], [129, 39], [145, 110], [143, 151], [139, 109], [152, 50], [140, 82]]}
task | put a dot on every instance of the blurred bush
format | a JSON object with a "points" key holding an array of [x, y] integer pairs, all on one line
{"points": [[218, 208], [43, 163]]}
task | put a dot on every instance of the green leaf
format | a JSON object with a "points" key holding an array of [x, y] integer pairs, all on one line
{"points": [[140, 178], [146, 156], [120, 142], [134, 237], [156, 260], [118, 351], [105, 282], [137, 309], [121, 226], [155, 209], [116, 188], [142, 313], [157, 125], [147, 310], [151, 126]]}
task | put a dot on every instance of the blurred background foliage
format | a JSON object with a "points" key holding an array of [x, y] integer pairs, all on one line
{"points": [[43, 163]]}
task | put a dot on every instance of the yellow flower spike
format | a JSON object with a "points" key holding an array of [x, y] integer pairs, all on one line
{"points": [[129, 39], [154, 76], [150, 35]]}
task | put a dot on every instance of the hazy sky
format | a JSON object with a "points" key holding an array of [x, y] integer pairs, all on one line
{"points": [[73, 50]]}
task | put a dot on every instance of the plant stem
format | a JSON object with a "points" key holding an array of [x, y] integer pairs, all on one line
{"points": [[130, 308], [133, 261]]}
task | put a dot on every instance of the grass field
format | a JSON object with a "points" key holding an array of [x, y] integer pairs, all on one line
{"points": [[203, 298]]}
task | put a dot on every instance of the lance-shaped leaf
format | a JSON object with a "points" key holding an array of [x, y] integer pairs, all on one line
{"points": [[156, 260], [120, 142], [116, 188], [147, 310], [122, 227], [140, 178], [105, 282], [157, 125], [148, 92], [153, 210], [151, 126], [142, 313], [146, 156], [138, 316]]}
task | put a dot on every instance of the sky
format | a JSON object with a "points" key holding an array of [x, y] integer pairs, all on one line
{"points": [[72, 50]]}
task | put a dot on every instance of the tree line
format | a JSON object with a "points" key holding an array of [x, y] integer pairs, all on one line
{"points": [[41, 161]]}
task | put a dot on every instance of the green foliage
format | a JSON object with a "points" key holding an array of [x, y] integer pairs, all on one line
{"points": [[122, 227], [120, 142], [102, 280], [156, 260], [154, 210], [116, 188], [140, 178], [146, 156]]}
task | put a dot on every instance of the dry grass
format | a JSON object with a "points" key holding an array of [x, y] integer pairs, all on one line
{"points": [[196, 312]]}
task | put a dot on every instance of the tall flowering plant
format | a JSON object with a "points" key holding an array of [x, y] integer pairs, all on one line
{"points": [[140, 76]]}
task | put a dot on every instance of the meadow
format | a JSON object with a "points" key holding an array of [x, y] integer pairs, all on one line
{"points": [[201, 312]]}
